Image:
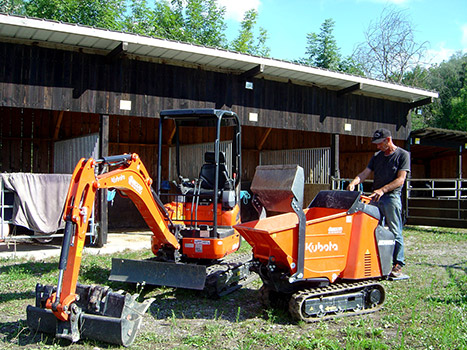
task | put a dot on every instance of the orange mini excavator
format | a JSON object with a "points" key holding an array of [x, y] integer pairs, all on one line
{"points": [[324, 261], [191, 241]]}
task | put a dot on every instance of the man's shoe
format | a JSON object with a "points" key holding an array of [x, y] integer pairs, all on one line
{"points": [[396, 271]]}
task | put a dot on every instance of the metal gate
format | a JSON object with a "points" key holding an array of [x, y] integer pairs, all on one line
{"points": [[67, 153], [314, 161], [437, 202], [192, 158]]}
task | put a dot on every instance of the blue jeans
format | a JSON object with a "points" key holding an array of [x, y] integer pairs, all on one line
{"points": [[390, 207]]}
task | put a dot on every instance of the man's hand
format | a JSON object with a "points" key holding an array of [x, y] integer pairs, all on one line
{"points": [[358, 179], [377, 194]]}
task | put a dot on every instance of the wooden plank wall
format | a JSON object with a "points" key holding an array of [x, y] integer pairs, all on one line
{"points": [[28, 135], [52, 79], [135, 135], [26, 138]]}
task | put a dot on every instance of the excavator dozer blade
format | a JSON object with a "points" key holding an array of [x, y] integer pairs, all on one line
{"points": [[170, 274], [101, 314]]}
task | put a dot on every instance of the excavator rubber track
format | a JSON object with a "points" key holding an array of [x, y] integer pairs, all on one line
{"points": [[337, 300], [230, 274], [216, 280]]}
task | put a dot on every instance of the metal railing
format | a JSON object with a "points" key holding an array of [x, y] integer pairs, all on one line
{"points": [[8, 232], [433, 202], [341, 184], [6, 210], [437, 188], [438, 202]]}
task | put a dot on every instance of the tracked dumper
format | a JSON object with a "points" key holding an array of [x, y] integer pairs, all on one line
{"points": [[321, 262]]}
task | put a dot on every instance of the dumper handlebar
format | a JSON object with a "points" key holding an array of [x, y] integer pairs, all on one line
{"points": [[365, 199]]}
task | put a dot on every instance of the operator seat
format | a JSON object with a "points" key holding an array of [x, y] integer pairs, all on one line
{"points": [[207, 174]]}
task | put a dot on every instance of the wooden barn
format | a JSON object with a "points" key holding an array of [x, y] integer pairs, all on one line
{"points": [[69, 91]]}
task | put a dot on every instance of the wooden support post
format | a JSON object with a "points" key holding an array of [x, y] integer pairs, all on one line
{"points": [[335, 171], [103, 212], [57, 125], [172, 134], [459, 163], [263, 139], [350, 89], [253, 72], [420, 103]]}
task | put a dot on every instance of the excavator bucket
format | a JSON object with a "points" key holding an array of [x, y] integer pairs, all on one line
{"points": [[170, 274], [98, 314]]}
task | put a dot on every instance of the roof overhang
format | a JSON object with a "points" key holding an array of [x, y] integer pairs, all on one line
{"points": [[439, 137], [112, 43]]}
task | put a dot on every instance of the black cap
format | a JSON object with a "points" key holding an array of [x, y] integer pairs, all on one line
{"points": [[380, 135]]}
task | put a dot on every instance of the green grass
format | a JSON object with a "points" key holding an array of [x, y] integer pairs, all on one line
{"points": [[429, 311]]}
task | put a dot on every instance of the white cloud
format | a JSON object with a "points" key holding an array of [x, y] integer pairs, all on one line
{"points": [[387, 2], [235, 9], [464, 37], [397, 2], [439, 54]]}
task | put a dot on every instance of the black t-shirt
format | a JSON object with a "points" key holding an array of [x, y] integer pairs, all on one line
{"points": [[385, 168]]}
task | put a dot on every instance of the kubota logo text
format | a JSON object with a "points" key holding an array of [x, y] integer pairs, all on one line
{"points": [[319, 247], [117, 178], [136, 186]]}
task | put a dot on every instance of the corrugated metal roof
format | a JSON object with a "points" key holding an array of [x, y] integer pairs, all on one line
{"points": [[441, 135], [51, 32]]}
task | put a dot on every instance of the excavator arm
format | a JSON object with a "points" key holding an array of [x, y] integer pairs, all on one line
{"points": [[132, 179], [73, 311]]}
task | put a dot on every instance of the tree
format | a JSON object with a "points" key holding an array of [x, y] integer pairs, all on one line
{"points": [[322, 50], [204, 23], [459, 111], [245, 42], [449, 111], [195, 21], [97, 13], [390, 49], [449, 79], [14, 7], [140, 18]]}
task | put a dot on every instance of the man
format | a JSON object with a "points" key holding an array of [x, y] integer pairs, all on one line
{"points": [[390, 166]]}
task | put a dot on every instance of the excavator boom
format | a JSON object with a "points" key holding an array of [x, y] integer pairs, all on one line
{"points": [[71, 308]]}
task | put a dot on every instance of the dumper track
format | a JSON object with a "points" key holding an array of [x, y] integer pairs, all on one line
{"points": [[228, 275], [337, 300]]}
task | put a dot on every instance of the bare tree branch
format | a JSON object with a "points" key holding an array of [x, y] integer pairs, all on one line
{"points": [[390, 49]]}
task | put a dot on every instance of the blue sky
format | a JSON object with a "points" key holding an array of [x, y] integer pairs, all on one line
{"points": [[442, 23]]}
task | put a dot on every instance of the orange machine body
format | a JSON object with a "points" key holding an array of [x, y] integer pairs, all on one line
{"points": [[208, 245], [210, 248], [184, 213], [337, 244]]}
